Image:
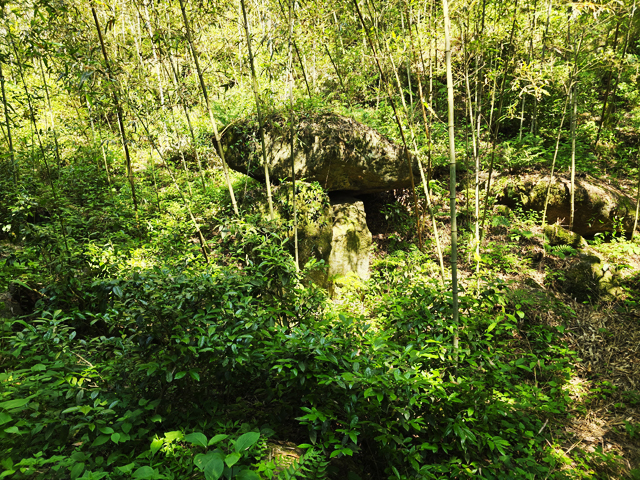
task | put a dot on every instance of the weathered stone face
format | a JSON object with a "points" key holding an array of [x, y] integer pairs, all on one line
{"points": [[351, 240], [335, 151], [599, 208]]}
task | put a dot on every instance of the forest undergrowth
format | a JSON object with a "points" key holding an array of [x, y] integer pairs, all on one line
{"points": [[134, 358], [154, 325]]}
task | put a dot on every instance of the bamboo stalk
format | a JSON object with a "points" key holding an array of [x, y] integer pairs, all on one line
{"points": [[393, 106], [292, 159], [14, 166], [212, 119], [452, 179], [123, 134], [256, 93]]}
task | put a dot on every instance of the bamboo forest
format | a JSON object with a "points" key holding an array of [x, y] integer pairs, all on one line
{"points": [[319, 239]]}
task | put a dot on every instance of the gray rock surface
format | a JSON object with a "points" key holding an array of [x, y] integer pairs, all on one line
{"points": [[599, 207], [9, 308], [335, 151], [351, 239]]}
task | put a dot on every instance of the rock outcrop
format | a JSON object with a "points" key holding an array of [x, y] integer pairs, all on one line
{"points": [[589, 278], [335, 151], [599, 208]]}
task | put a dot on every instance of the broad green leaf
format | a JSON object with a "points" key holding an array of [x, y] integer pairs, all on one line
{"points": [[76, 471], [115, 437], [214, 469], [38, 368], [13, 429], [145, 472], [232, 459], [195, 375], [179, 375], [197, 438], [126, 427], [172, 436], [246, 441], [89, 475], [102, 439], [11, 404], [217, 438], [4, 418], [156, 445], [247, 475], [106, 430], [126, 469]]}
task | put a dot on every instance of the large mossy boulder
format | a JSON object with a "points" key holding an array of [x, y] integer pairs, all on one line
{"points": [[335, 151], [599, 207]]}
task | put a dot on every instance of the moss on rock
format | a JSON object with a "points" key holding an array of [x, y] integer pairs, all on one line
{"points": [[556, 235]]}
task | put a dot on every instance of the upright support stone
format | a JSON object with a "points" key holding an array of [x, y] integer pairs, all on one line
{"points": [[351, 241]]}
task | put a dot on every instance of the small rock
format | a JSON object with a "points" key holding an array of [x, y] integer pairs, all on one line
{"points": [[9, 308], [589, 278]]}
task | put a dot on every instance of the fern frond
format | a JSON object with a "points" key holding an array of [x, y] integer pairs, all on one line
{"points": [[310, 466]]}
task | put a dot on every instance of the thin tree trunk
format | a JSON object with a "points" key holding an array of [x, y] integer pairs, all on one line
{"points": [[214, 125], [476, 158], [335, 67], [395, 111], [406, 112], [564, 111], [607, 90], [424, 178], [104, 156], [32, 115], [293, 130], [452, 174], [116, 100], [300, 61], [203, 243], [574, 111], [53, 125], [624, 54], [635, 220], [408, 62], [14, 165], [524, 100], [496, 128], [256, 93], [553, 163]]}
